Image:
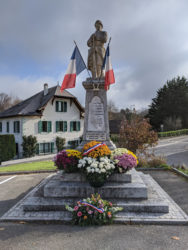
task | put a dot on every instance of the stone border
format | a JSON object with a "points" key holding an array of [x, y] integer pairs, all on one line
{"points": [[179, 172]]}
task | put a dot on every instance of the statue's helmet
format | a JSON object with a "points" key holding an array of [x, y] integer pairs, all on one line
{"points": [[98, 22]]}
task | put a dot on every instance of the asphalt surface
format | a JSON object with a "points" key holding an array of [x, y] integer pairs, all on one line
{"points": [[175, 149], [18, 236]]}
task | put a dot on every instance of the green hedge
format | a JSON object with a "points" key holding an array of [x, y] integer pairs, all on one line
{"points": [[173, 133], [7, 147]]}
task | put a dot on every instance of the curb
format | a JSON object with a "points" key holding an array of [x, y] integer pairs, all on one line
{"points": [[28, 172], [151, 169], [179, 172]]}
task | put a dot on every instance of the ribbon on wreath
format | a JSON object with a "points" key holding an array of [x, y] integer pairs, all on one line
{"points": [[93, 148], [84, 203]]}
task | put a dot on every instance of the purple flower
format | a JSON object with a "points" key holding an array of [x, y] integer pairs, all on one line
{"points": [[126, 161]]}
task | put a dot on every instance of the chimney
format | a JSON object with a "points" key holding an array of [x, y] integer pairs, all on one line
{"points": [[45, 88]]}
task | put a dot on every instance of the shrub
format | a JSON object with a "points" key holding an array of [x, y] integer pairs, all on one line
{"points": [[7, 147], [29, 145], [173, 133], [136, 134], [60, 143], [151, 161]]}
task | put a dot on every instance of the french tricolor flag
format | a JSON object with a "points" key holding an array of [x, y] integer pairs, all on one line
{"points": [[76, 66], [107, 66]]}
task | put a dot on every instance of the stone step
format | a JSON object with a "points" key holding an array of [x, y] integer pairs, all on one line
{"points": [[76, 177], [109, 190], [54, 204]]}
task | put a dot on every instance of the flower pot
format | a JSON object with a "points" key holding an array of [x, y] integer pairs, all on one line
{"points": [[96, 180], [97, 183]]}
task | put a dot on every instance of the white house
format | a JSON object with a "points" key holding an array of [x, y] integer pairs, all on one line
{"points": [[46, 115]]}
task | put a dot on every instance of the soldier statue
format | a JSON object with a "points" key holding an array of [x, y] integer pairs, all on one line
{"points": [[96, 52]]}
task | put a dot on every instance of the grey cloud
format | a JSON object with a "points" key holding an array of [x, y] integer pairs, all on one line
{"points": [[149, 39]]}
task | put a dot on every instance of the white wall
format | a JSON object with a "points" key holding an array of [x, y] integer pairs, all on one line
{"points": [[29, 124]]}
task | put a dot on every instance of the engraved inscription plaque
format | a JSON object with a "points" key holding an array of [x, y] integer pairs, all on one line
{"points": [[96, 115], [90, 136]]}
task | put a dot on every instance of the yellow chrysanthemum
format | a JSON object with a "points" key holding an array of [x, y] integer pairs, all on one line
{"points": [[75, 153], [131, 153], [98, 152]]}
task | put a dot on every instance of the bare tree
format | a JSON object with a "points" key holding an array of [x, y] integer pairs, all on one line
{"points": [[7, 101]]}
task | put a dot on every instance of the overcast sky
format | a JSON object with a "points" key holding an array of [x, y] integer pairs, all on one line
{"points": [[149, 44]]}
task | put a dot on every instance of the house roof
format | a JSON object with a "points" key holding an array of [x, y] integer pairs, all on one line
{"points": [[34, 105]]}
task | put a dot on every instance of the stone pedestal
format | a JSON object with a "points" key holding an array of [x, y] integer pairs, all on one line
{"points": [[96, 124]]}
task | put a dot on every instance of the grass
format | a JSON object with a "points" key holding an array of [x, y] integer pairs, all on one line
{"points": [[30, 166], [185, 171]]}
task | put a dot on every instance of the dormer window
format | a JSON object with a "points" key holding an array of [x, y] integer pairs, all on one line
{"points": [[61, 106]]}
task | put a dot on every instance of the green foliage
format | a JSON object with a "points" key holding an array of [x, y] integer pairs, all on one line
{"points": [[60, 143], [29, 145], [7, 147], [173, 133], [171, 102]]}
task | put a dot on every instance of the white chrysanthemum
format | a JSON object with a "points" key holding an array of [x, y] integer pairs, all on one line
{"points": [[103, 170], [79, 165]]}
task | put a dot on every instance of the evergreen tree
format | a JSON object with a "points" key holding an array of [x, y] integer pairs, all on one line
{"points": [[170, 104]]}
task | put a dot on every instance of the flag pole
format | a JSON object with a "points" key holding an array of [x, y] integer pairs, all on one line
{"points": [[83, 60]]}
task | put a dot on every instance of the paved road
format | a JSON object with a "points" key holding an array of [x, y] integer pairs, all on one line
{"points": [[174, 149], [16, 236], [13, 188]]}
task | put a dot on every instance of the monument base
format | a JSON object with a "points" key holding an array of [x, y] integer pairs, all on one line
{"points": [[142, 199], [96, 124]]}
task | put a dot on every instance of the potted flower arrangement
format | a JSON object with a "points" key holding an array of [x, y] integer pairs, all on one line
{"points": [[124, 159], [96, 170], [93, 211], [67, 160]]}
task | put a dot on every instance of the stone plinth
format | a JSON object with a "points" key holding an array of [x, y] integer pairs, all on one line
{"points": [[96, 124]]}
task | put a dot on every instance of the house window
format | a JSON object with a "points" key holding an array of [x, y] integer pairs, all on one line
{"points": [[16, 127], [44, 148], [61, 106], [7, 127], [0, 126], [44, 126], [75, 126], [61, 126]]}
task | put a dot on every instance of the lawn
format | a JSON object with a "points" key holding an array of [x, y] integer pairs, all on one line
{"points": [[31, 166]]}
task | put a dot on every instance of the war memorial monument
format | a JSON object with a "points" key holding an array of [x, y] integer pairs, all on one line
{"points": [[142, 199]]}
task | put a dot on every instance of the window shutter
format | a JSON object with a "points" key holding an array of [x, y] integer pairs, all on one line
{"points": [[14, 127], [57, 126], [49, 126], [37, 149], [56, 106], [52, 147], [18, 127], [71, 126], [65, 106], [78, 126], [40, 126], [64, 126]]}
